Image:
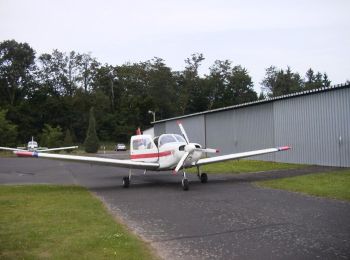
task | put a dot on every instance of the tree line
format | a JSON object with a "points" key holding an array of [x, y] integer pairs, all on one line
{"points": [[53, 92]]}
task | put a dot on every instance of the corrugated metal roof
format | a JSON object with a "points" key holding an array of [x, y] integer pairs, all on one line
{"points": [[297, 94]]}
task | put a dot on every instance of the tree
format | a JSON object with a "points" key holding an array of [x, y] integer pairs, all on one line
{"points": [[314, 81], [280, 82], [51, 136], [91, 142], [16, 66], [68, 140], [261, 96], [240, 87], [229, 86], [189, 88], [8, 131]]}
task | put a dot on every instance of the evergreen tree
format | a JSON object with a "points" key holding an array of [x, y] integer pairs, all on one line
{"points": [[261, 96], [91, 142]]}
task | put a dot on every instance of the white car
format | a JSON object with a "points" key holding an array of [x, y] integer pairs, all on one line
{"points": [[120, 147]]}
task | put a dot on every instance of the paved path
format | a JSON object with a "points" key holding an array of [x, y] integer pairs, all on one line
{"points": [[227, 218]]}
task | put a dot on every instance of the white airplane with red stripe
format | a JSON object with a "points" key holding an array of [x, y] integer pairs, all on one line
{"points": [[33, 146], [167, 152]]}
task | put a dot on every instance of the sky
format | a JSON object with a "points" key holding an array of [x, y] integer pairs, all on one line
{"points": [[252, 33]]}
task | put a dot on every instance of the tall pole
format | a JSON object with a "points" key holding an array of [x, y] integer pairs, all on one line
{"points": [[153, 113], [112, 92]]}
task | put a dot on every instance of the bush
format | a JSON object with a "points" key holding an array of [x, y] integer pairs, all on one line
{"points": [[51, 136]]}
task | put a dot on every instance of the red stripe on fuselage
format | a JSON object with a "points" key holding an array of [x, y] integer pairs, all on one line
{"points": [[150, 155]]}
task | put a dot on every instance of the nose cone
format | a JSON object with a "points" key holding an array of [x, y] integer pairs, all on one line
{"points": [[190, 147]]}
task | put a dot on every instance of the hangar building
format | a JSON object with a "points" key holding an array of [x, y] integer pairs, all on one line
{"points": [[315, 123]]}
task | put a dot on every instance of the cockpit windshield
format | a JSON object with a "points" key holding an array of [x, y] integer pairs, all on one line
{"points": [[179, 138], [170, 138], [32, 144]]}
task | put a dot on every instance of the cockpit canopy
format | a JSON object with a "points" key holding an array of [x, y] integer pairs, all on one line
{"points": [[170, 138], [32, 144]]}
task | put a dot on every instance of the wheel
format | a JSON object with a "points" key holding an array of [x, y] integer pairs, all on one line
{"points": [[126, 182], [185, 184], [204, 178]]}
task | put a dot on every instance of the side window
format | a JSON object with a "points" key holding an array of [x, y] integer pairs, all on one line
{"points": [[142, 144], [135, 144]]}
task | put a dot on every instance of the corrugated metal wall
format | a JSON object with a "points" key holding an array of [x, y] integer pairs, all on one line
{"points": [[194, 128], [317, 127], [159, 128]]}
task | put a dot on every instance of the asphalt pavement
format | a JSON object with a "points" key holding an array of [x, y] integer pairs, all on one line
{"points": [[227, 218]]}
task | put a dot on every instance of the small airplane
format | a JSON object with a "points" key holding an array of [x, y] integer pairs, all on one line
{"points": [[162, 153], [33, 146]]}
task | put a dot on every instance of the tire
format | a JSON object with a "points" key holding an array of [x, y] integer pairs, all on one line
{"points": [[204, 178], [185, 184], [126, 182]]}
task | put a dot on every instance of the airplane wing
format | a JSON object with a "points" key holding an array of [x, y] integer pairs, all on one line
{"points": [[91, 160], [56, 149], [12, 149], [235, 156]]}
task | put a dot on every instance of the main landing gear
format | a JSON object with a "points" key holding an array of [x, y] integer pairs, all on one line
{"points": [[126, 180], [202, 176]]}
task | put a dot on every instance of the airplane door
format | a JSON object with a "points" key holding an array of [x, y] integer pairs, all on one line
{"points": [[143, 149]]}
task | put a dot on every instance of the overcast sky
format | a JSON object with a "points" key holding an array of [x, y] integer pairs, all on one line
{"points": [[255, 34]]}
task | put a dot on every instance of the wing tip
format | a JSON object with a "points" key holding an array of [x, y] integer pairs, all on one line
{"points": [[284, 148]]}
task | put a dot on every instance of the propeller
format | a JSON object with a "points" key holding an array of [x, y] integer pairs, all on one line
{"points": [[181, 162], [183, 132], [189, 149]]}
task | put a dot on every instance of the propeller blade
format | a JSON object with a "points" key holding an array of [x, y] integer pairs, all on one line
{"points": [[183, 132], [181, 162], [207, 150]]}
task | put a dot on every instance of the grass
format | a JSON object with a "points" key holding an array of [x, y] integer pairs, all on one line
{"points": [[6, 154], [334, 185], [245, 166], [61, 222]]}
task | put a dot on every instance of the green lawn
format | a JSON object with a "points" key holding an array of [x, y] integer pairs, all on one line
{"points": [[7, 154], [62, 222], [330, 185], [245, 166]]}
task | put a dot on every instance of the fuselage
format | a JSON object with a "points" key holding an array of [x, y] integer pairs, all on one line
{"points": [[32, 145], [166, 150]]}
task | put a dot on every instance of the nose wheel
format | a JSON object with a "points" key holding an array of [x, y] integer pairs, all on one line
{"points": [[184, 182]]}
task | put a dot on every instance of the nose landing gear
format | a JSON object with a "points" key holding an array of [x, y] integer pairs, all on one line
{"points": [[185, 183]]}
